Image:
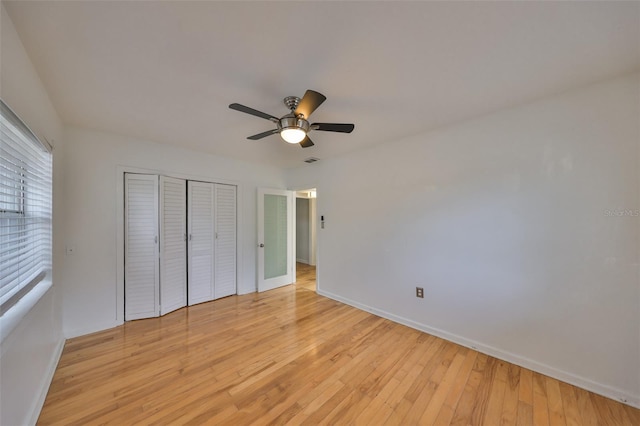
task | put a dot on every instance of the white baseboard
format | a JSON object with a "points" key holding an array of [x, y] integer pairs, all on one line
{"points": [[46, 382], [305, 261], [579, 381], [81, 331]]}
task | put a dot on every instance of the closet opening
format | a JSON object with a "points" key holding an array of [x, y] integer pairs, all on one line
{"points": [[180, 242]]}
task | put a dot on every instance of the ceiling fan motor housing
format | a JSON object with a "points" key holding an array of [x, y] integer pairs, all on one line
{"points": [[290, 121]]}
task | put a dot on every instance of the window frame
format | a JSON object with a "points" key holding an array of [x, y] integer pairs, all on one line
{"points": [[26, 231]]}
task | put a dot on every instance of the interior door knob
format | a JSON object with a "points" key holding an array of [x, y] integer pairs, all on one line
{"points": [[261, 245]]}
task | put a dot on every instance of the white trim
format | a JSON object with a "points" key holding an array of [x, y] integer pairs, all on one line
{"points": [[18, 122], [47, 378], [291, 223], [313, 230], [579, 381]]}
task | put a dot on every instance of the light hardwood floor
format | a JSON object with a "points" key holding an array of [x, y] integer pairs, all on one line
{"points": [[291, 356], [305, 276]]}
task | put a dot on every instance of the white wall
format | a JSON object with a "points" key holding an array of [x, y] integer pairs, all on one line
{"points": [[302, 230], [503, 221], [29, 354], [93, 168]]}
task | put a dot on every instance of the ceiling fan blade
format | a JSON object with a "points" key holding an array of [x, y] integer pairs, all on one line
{"points": [[333, 127], [306, 142], [263, 134], [252, 111], [309, 102]]}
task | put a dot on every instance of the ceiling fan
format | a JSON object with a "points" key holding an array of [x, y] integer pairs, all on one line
{"points": [[294, 127]]}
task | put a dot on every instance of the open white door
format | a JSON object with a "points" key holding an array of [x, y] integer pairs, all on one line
{"points": [[276, 239]]}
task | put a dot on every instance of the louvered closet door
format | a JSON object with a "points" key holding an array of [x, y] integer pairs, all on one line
{"points": [[141, 274], [173, 244], [225, 249], [201, 200]]}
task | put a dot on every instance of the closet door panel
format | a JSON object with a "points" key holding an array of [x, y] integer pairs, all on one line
{"points": [[225, 251], [141, 246], [201, 199], [173, 245]]}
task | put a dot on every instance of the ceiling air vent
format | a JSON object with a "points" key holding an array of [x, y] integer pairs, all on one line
{"points": [[311, 160]]}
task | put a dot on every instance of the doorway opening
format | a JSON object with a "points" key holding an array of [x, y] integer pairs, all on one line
{"points": [[306, 236]]}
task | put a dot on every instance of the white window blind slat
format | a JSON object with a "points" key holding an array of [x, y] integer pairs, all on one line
{"points": [[25, 208], [18, 276]]}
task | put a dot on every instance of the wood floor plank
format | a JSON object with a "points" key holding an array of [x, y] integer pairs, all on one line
{"points": [[290, 356], [610, 411], [448, 407], [467, 403], [511, 396], [483, 394], [633, 414], [442, 390], [570, 405], [433, 375], [496, 398], [525, 392], [396, 401], [554, 402], [540, 405], [587, 411], [525, 414]]}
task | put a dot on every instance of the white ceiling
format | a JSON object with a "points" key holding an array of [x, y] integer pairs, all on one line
{"points": [[167, 71]]}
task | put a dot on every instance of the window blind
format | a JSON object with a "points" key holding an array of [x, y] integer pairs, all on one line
{"points": [[25, 209]]}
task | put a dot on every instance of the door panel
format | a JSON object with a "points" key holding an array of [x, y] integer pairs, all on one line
{"points": [[173, 244], [141, 274], [225, 249], [201, 199]]}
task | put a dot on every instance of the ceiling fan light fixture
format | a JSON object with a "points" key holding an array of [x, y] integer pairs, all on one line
{"points": [[293, 135], [295, 127]]}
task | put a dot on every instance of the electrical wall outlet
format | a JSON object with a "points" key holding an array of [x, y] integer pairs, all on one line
{"points": [[420, 292]]}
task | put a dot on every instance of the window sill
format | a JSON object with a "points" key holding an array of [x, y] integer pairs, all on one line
{"points": [[12, 317]]}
